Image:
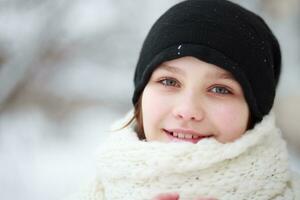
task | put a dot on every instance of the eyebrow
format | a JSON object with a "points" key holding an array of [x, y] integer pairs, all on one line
{"points": [[219, 74], [172, 69], [224, 75]]}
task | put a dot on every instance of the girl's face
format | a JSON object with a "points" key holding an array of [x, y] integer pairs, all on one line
{"points": [[187, 99]]}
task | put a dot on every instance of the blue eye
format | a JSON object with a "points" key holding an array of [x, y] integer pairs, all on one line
{"points": [[169, 82], [220, 90]]}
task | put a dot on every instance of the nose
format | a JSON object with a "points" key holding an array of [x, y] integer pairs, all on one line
{"points": [[189, 108]]}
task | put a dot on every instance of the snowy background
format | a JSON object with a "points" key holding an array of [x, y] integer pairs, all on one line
{"points": [[66, 71]]}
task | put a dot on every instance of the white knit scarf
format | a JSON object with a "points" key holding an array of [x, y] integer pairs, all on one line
{"points": [[254, 167]]}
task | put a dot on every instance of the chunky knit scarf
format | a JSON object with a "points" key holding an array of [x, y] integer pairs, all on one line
{"points": [[253, 167]]}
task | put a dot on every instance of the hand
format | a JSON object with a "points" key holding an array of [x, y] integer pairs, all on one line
{"points": [[167, 196], [174, 196]]}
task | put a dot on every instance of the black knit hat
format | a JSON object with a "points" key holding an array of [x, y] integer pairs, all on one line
{"points": [[221, 33]]}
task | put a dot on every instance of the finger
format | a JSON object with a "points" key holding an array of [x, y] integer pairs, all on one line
{"points": [[167, 196]]}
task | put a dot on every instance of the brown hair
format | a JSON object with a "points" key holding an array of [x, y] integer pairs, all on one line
{"points": [[138, 119]]}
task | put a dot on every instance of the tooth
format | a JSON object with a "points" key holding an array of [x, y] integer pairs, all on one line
{"points": [[175, 134], [188, 136], [195, 136], [180, 135]]}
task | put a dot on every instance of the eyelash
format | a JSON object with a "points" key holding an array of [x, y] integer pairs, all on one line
{"points": [[225, 90], [214, 89], [163, 82]]}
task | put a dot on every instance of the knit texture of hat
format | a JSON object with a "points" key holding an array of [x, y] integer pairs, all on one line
{"points": [[221, 33]]}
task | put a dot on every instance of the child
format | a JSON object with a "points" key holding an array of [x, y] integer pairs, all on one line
{"points": [[202, 126]]}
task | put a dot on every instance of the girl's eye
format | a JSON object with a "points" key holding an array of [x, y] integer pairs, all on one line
{"points": [[169, 82], [220, 90]]}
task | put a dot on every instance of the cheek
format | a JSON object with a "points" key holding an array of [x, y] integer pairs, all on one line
{"points": [[155, 103], [231, 120], [154, 110], [150, 102]]}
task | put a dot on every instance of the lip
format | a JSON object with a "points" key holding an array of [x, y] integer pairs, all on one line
{"points": [[184, 131]]}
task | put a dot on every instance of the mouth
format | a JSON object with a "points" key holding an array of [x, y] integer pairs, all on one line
{"points": [[180, 135]]}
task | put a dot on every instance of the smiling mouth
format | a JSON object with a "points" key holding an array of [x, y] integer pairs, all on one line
{"points": [[179, 136]]}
